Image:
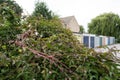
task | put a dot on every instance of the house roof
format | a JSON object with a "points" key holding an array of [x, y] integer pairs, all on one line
{"points": [[71, 23], [67, 20]]}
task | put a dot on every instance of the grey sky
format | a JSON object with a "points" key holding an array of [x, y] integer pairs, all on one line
{"points": [[83, 10]]}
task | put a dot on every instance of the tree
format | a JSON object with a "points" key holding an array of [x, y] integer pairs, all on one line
{"points": [[107, 24], [81, 29], [44, 50], [42, 10], [10, 16], [10, 4]]}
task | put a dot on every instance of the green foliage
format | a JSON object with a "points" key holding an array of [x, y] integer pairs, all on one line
{"points": [[42, 10], [10, 4], [44, 50], [107, 24], [10, 14], [52, 36], [82, 30]]}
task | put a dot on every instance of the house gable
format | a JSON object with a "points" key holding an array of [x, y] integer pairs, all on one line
{"points": [[70, 23]]}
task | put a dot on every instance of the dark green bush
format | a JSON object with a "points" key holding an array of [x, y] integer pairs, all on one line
{"points": [[51, 54]]}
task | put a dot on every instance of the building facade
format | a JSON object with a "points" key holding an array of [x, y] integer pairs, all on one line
{"points": [[70, 23]]}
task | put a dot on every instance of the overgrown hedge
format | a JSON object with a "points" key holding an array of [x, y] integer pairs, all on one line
{"points": [[44, 50]]}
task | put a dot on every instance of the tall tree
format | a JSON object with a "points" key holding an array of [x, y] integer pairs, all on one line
{"points": [[82, 30], [107, 24], [42, 10]]}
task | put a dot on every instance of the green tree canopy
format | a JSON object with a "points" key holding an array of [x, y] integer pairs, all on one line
{"points": [[42, 10], [10, 16], [10, 4], [107, 24], [82, 30]]}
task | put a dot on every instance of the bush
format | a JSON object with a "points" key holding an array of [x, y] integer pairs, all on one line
{"points": [[44, 50]]}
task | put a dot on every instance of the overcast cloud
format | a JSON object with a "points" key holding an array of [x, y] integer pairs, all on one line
{"points": [[83, 10]]}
